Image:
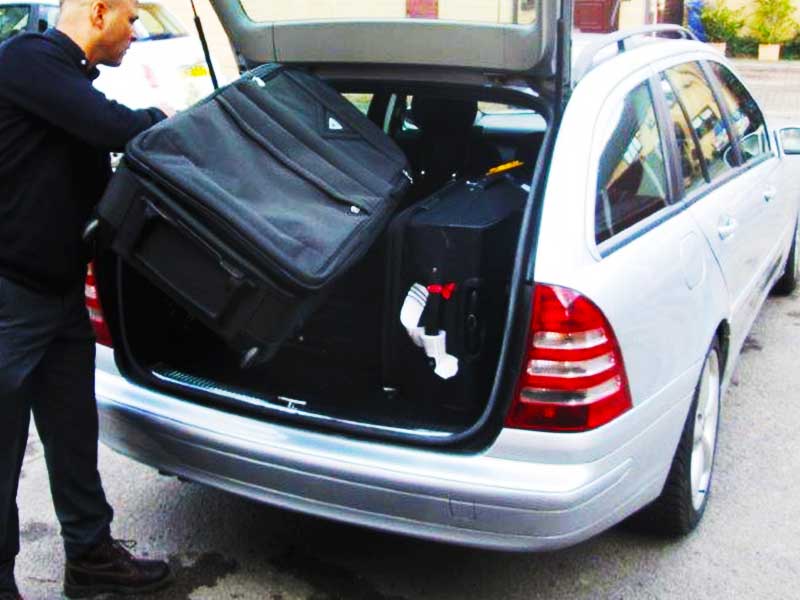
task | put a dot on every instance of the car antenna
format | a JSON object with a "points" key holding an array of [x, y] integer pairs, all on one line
{"points": [[204, 43]]}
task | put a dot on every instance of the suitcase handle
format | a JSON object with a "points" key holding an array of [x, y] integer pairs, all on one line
{"points": [[152, 211], [237, 280]]}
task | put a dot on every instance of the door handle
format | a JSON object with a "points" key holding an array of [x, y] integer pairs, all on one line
{"points": [[727, 227], [769, 193]]}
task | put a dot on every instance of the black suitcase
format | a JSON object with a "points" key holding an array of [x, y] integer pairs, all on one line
{"points": [[247, 206], [459, 244]]}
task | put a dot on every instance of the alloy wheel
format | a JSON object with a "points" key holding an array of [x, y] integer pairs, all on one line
{"points": [[706, 420]]}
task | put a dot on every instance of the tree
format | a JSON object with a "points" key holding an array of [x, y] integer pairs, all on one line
{"points": [[720, 22], [772, 22]]}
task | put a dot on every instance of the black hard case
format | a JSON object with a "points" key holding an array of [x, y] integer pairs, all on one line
{"points": [[247, 206], [465, 234]]}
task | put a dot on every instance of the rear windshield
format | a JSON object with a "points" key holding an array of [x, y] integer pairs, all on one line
{"points": [[155, 23], [474, 11], [13, 20]]}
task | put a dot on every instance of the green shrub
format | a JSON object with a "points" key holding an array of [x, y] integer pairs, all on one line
{"points": [[743, 47], [720, 22], [772, 22], [791, 50]]}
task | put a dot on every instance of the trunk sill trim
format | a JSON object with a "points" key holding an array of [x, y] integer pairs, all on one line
{"points": [[200, 384]]}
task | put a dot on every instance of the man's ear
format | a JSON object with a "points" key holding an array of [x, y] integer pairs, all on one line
{"points": [[98, 14]]}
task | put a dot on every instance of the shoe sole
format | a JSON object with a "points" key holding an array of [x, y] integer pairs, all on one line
{"points": [[88, 591]]}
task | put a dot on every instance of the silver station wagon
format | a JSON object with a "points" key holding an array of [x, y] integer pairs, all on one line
{"points": [[658, 214]]}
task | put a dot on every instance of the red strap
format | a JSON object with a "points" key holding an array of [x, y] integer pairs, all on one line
{"points": [[446, 290]]}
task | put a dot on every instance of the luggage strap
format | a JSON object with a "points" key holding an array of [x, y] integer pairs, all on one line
{"points": [[445, 291], [431, 318]]}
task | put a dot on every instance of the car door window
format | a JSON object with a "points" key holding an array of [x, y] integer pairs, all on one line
{"points": [[48, 16], [747, 120], [705, 116], [13, 20], [632, 178], [693, 170], [360, 101]]}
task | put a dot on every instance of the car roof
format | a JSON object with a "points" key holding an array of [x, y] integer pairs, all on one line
{"points": [[591, 50]]}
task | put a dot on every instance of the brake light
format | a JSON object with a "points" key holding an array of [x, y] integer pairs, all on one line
{"points": [[574, 377], [95, 309]]}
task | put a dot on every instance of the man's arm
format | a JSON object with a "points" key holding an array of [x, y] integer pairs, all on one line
{"points": [[45, 83]]}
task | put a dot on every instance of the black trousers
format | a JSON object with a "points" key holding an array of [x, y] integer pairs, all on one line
{"points": [[47, 368]]}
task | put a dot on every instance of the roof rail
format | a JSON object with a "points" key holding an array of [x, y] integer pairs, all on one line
{"points": [[586, 61]]}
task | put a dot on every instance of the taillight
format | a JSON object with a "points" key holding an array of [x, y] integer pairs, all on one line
{"points": [[573, 378], [95, 309]]}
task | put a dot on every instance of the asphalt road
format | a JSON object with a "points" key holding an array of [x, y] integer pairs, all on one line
{"points": [[223, 546]]}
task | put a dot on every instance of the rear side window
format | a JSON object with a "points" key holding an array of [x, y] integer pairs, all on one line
{"points": [[692, 167], [705, 117], [632, 179], [746, 118], [360, 101], [13, 20]]}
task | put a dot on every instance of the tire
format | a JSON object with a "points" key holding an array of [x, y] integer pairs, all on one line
{"points": [[788, 281], [682, 502]]}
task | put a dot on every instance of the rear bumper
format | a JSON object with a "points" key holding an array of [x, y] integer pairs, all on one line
{"points": [[495, 499]]}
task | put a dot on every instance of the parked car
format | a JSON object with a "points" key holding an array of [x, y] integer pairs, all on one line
{"points": [[659, 217], [165, 66]]}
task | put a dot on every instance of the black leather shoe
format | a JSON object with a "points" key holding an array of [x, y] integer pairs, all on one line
{"points": [[109, 567]]}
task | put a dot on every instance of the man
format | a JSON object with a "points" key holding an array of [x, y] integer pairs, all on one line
{"points": [[56, 132]]}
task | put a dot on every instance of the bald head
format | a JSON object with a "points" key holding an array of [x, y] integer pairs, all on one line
{"points": [[102, 28]]}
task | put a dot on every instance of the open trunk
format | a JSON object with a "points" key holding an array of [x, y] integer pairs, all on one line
{"points": [[352, 365]]}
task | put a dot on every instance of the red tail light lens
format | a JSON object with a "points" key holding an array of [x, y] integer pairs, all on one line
{"points": [[95, 309], [574, 378]]}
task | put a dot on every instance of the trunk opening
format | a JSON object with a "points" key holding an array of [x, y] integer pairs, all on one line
{"points": [[334, 371]]}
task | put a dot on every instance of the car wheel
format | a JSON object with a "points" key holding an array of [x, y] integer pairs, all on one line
{"points": [[788, 281], [681, 505]]}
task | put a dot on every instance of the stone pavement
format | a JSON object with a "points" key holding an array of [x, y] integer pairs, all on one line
{"points": [[776, 86]]}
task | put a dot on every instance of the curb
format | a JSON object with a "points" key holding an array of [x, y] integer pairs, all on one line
{"points": [[783, 66]]}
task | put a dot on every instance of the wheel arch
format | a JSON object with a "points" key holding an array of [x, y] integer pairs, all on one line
{"points": [[723, 336]]}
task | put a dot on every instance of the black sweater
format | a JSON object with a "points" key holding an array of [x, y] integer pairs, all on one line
{"points": [[56, 131]]}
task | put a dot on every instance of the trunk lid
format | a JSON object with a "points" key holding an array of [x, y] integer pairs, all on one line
{"points": [[517, 36]]}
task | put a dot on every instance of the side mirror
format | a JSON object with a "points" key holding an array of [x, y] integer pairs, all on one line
{"points": [[790, 140]]}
